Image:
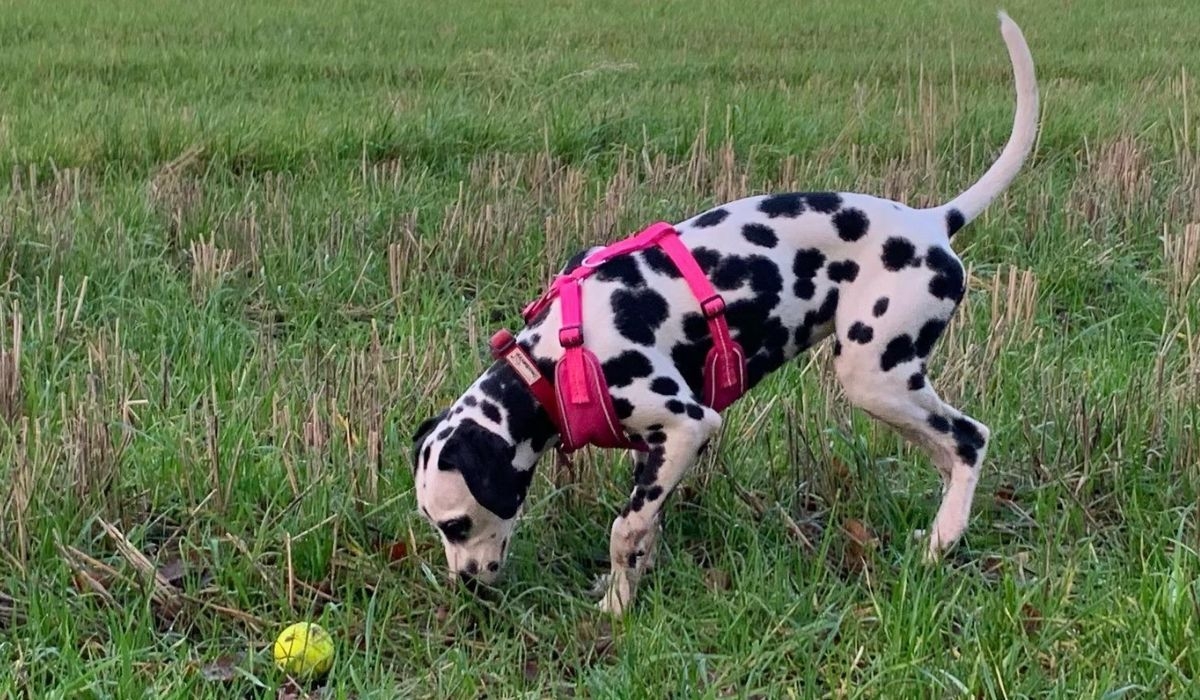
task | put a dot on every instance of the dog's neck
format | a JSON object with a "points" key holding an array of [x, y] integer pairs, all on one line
{"points": [[523, 422]]}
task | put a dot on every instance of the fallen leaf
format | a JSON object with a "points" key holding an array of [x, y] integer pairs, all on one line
{"points": [[858, 532], [861, 543], [397, 551], [441, 613], [1005, 493], [223, 669]]}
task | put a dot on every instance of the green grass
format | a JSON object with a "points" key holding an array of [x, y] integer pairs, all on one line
{"points": [[310, 139]]}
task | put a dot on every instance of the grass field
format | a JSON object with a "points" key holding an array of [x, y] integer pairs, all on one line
{"points": [[246, 247]]}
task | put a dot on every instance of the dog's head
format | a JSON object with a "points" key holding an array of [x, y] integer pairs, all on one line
{"points": [[470, 484]]}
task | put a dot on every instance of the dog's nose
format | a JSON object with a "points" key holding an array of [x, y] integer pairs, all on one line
{"points": [[470, 583]]}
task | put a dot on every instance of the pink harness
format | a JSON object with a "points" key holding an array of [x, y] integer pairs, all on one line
{"points": [[579, 403]]}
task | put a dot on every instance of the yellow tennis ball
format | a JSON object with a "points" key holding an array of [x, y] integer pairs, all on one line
{"points": [[304, 649]]}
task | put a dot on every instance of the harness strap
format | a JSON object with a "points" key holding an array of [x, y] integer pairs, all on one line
{"points": [[712, 305], [578, 401], [504, 347]]}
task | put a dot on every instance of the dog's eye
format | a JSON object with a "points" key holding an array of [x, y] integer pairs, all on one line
{"points": [[456, 529]]}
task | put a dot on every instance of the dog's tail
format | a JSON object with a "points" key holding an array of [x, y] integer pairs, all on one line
{"points": [[971, 203]]}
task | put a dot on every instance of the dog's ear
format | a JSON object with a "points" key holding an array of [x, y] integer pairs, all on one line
{"points": [[422, 432], [485, 461]]}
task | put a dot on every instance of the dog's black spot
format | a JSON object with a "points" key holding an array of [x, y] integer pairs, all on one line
{"points": [[805, 266], [546, 366], [490, 411], [802, 338], [938, 423], [706, 258], [647, 473], [790, 205], [654, 426], [503, 546], [675, 406], [711, 218], [657, 437], [636, 503], [695, 327], [575, 261], [899, 350], [764, 277], [947, 282], [428, 452], [825, 313], [837, 347], [851, 224], [623, 269], [928, 336], [694, 411], [527, 419], [472, 568], [880, 308], [626, 367], [860, 333], [654, 493], [638, 314], [760, 235], [485, 461], [623, 407], [731, 272], [968, 438], [658, 261], [770, 355], [469, 400], [665, 386], [689, 358], [808, 262], [445, 432], [633, 556], [898, 253], [823, 202], [844, 271], [493, 566], [954, 221], [457, 530], [916, 382]]}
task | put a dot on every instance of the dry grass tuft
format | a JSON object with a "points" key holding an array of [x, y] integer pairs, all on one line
{"points": [[14, 518], [11, 392], [1112, 188], [1182, 253], [211, 266]]}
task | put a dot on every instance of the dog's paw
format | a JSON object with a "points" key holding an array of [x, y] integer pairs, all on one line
{"points": [[613, 602], [931, 553], [599, 586], [617, 595]]}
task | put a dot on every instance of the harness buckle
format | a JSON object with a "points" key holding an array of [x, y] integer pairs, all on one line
{"points": [[713, 306], [501, 341], [570, 336]]}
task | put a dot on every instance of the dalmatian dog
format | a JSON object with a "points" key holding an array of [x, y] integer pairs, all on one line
{"points": [[794, 268]]}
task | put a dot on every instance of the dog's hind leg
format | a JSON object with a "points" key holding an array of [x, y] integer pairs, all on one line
{"points": [[884, 336], [674, 446]]}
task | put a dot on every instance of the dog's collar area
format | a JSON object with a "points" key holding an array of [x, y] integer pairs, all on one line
{"points": [[579, 402]]}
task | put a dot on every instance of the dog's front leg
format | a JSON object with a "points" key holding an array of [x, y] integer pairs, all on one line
{"points": [[673, 451]]}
